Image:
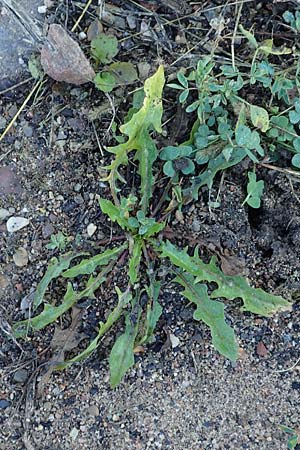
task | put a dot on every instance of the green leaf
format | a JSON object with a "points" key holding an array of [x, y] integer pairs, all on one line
{"points": [[210, 312], [113, 212], [124, 72], [249, 36], [294, 117], [105, 81], [134, 260], [146, 156], [48, 315], [169, 169], [35, 68], [214, 166], [104, 47], [230, 287], [192, 107], [296, 144], [186, 166], [51, 313], [169, 153], [183, 96], [254, 190], [122, 357], [138, 129], [242, 135], [154, 311], [296, 160], [54, 270], [268, 48], [124, 299], [88, 266], [259, 117], [175, 86], [182, 79]]}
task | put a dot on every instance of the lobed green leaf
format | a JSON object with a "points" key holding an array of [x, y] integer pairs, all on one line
{"points": [[54, 270], [210, 312], [89, 265], [255, 300]]}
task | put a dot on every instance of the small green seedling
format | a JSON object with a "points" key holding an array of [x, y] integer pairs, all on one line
{"points": [[103, 49], [294, 437], [292, 19], [254, 191], [58, 241]]}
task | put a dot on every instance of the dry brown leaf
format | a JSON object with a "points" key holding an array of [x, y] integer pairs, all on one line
{"points": [[63, 341]]}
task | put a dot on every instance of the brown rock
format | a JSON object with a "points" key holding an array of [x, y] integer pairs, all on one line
{"points": [[261, 349], [9, 182], [63, 60]]}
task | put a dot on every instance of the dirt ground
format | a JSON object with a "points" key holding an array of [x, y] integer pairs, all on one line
{"points": [[180, 397]]}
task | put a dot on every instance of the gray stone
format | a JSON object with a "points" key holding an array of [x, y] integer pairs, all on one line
{"points": [[47, 230], [93, 410], [28, 131], [63, 60], [4, 213], [20, 35], [20, 257], [4, 404], [196, 225], [20, 376]]}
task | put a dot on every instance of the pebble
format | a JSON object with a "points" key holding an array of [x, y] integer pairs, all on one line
{"points": [[79, 199], [4, 282], [4, 404], [131, 22], [91, 228], [77, 187], [93, 410], [196, 225], [4, 213], [28, 131], [16, 223], [115, 418], [144, 69], [2, 123], [174, 340], [74, 433], [20, 376], [20, 257], [47, 406], [47, 230], [42, 9], [82, 36]]}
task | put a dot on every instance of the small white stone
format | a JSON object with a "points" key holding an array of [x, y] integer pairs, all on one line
{"points": [[16, 223], [42, 9], [174, 340], [82, 36], [74, 433], [91, 228], [20, 257]]}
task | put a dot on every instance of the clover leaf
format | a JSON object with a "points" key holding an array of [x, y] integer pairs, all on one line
{"points": [[295, 114]]}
